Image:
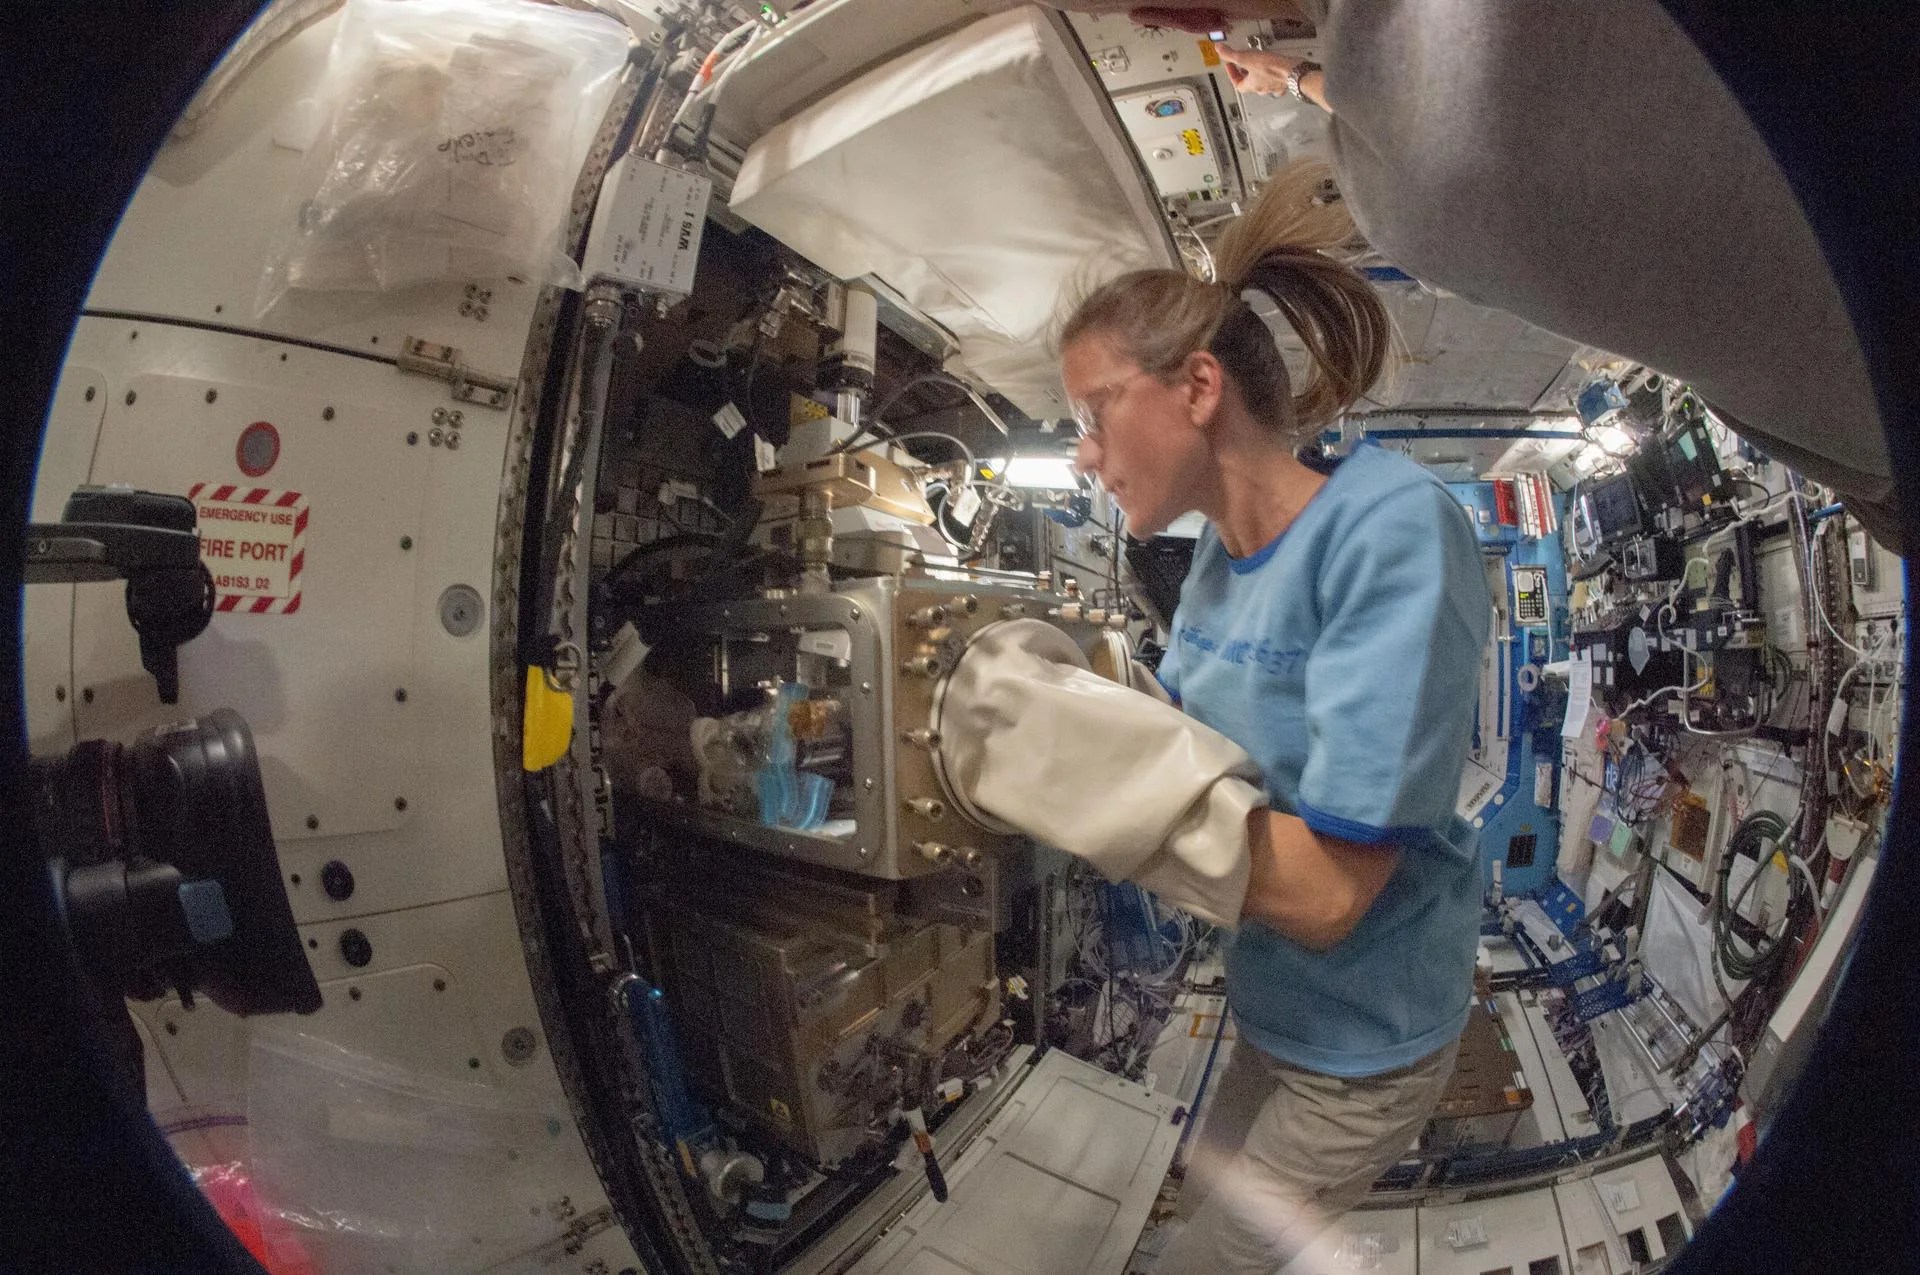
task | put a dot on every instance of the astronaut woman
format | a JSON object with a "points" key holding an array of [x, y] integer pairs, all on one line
{"points": [[1332, 627]]}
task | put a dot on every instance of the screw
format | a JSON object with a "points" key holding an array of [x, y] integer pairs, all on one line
{"points": [[412, 438], [406, 542], [439, 984], [457, 417], [866, 688], [435, 436], [130, 397], [399, 803], [474, 1063], [336, 878], [294, 878], [439, 416], [453, 441], [400, 695], [867, 783], [90, 393], [326, 413], [313, 823], [212, 395], [86, 694], [354, 949]]}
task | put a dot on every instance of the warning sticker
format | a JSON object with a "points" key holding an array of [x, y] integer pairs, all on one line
{"points": [[253, 540]]}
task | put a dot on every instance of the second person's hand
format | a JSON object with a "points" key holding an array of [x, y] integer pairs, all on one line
{"points": [[1257, 71]]}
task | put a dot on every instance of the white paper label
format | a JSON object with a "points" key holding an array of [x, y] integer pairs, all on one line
{"points": [[966, 504], [766, 457], [729, 420]]}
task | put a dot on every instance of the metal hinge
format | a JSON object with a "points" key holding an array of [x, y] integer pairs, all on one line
{"points": [[442, 362], [584, 1228]]}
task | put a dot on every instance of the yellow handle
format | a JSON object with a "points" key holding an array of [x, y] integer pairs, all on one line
{"points": [[547, 722]]}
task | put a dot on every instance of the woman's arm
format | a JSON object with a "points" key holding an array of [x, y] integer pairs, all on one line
{"points": [[1256, 71], [1311, 887]]}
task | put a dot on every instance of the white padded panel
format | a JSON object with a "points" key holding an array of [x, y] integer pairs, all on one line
{"points": [[983, 176]]}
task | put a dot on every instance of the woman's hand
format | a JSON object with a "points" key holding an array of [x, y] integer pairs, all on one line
{"points": [[1257, 71]]}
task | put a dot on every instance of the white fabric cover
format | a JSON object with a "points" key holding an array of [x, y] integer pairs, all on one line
{"points": [[982, 176], [1033, 738]]}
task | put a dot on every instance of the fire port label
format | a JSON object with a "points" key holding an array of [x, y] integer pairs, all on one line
{"points": [[253, 540]]}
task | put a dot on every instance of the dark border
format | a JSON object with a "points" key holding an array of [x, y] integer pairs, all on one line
{"points": [[90, 1184]]}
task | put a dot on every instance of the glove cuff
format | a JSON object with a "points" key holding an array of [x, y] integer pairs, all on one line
{"points": [[1205, 864]]}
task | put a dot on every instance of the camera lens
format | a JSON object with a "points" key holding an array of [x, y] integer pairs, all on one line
{"points": [[164, 857]]}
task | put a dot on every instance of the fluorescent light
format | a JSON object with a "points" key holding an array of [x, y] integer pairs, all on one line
{"points": [[1048, 473], [1612, 440]]}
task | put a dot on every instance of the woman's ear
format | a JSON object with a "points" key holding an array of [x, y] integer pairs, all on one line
{"points": [[1206, 388]]}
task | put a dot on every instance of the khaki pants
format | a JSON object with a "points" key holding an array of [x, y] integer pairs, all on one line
{"points": [[1286, 1151]]}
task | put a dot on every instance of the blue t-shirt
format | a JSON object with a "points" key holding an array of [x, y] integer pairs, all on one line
{"points": [[1344, 657]]}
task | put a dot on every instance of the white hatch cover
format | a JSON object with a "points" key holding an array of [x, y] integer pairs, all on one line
{"points": [[1059, 1184]]}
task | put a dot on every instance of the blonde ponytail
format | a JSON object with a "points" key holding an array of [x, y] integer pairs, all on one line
{"points": [[1281, 247]]}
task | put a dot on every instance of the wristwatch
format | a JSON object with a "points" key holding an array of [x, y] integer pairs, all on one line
{"points": [[1300, 71]]}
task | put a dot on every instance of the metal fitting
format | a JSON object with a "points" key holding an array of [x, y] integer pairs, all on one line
{"points": [[1013, 610], [923, 738], [934, 852], [931, 809], [920, 666], [928, 617], [436, 436]]}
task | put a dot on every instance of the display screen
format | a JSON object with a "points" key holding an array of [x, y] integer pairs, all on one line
{"points": [[1694, 468], [1616, 509]]}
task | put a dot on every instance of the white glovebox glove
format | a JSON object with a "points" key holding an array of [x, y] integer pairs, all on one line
{"points": [[1032, 740]]}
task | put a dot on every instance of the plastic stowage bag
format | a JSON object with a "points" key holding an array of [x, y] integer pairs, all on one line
{"points": [[373, 1167], [453, 133]]}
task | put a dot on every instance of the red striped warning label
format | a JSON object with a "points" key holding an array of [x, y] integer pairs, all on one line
{"points": [[253, 540]]}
